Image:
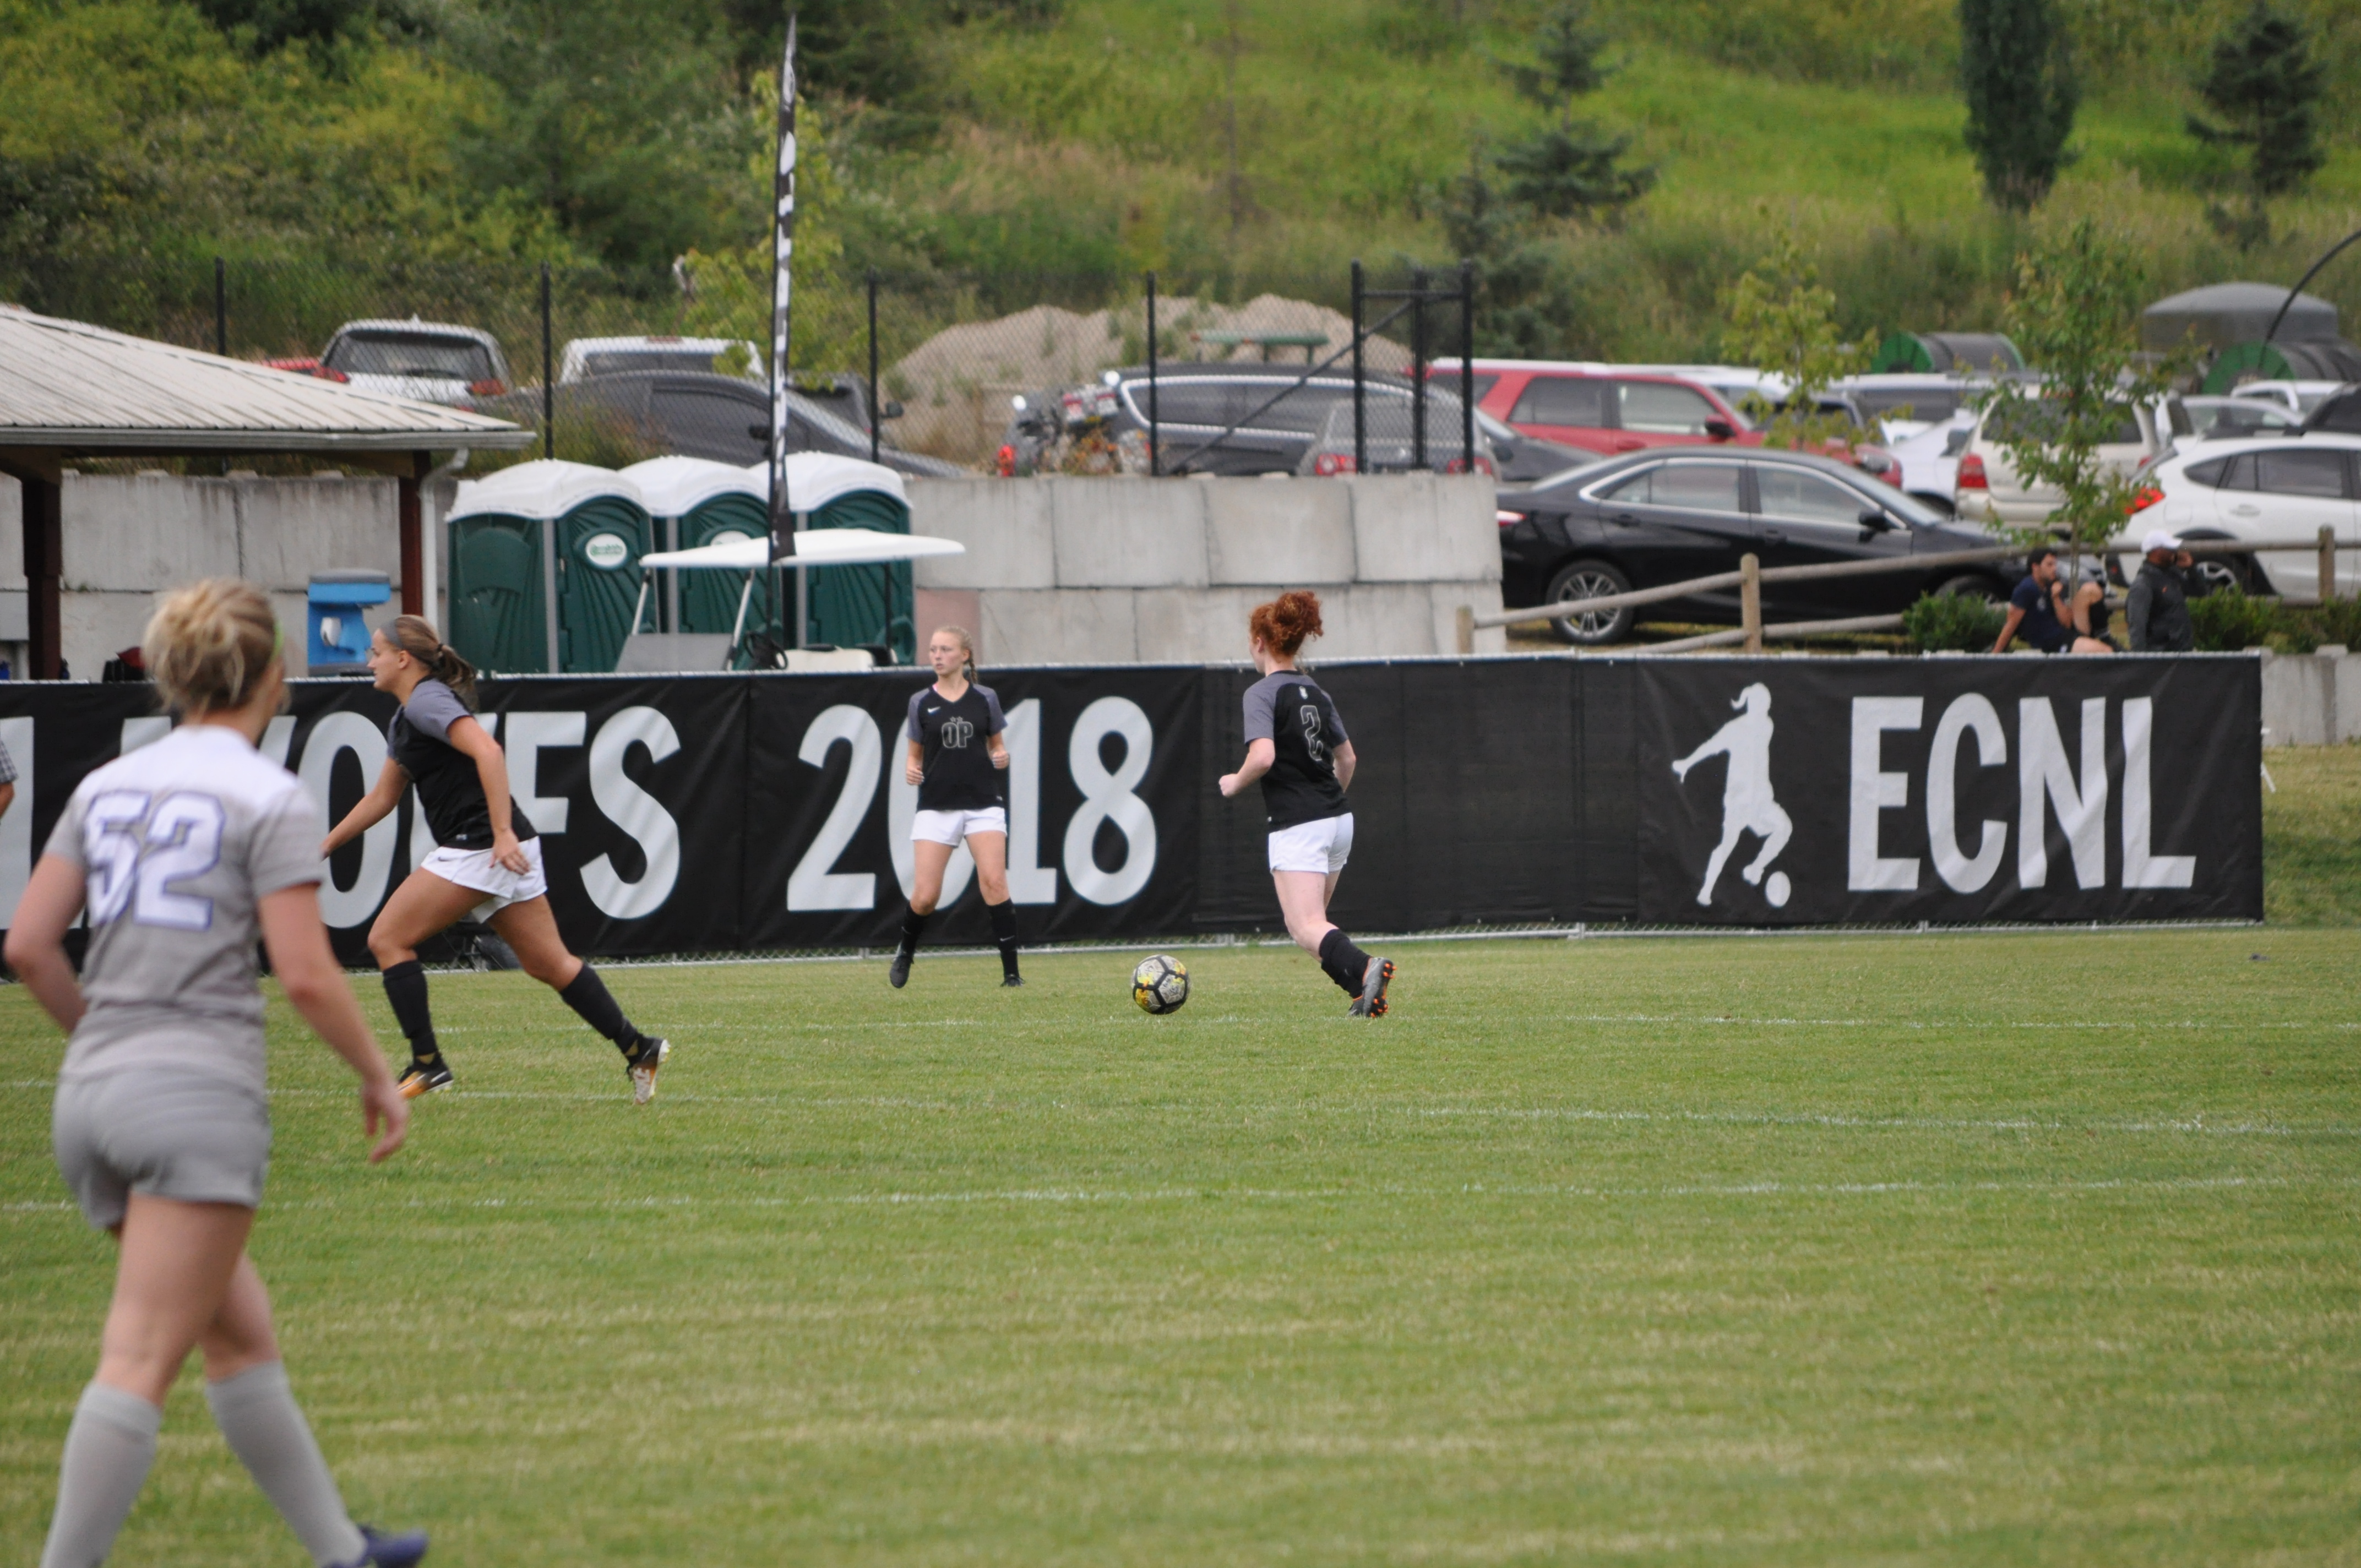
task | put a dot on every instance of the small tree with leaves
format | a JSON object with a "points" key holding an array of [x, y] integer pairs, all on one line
{"points": [[2019, 82], [2265, 86], [2075, 312], [1782, 320]]}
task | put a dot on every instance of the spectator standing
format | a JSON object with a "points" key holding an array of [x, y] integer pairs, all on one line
{"points": [[2157, 616]]}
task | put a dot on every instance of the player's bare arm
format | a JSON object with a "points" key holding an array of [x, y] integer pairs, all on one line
{"points": [[1260, 756]]}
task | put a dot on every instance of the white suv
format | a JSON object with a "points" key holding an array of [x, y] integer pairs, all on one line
{"points": [[1988, 488], [2270, 491]]}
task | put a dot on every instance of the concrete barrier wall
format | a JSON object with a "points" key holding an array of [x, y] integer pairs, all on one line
{"points": [[2311, 699], [128, 536], [1111, 570]]}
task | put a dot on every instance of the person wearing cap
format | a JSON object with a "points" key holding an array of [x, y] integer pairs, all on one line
{"points": [[2038, 611], [2157, 615]]}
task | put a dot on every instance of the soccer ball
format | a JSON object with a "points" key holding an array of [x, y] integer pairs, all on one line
{"points": [[1161, 984]]}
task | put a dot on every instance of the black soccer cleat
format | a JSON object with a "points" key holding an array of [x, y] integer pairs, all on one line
{"points": [[417, 1080], [899, 975], [1371, 1003], [1009, 980], [388, 1550]]}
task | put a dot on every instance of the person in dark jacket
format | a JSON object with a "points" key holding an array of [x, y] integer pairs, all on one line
{"points": [[2157, 615]]}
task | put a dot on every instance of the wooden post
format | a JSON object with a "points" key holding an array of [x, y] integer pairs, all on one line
{"points": [[2327, 564], [44, 554], [1750, 602], [413, 537]]}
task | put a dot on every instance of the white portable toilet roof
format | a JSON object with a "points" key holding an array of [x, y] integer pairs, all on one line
{"points": [[675, 486], [543, 489], [816, 478]]}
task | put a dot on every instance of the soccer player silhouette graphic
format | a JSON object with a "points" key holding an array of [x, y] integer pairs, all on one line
{"points": [[1747, 803]]}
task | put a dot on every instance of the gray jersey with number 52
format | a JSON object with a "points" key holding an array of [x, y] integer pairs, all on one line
{"points": [[176, 843]]}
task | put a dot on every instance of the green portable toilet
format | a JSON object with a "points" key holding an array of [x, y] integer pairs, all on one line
{"points": [[694, 502], [543, 568], [855, 606]]}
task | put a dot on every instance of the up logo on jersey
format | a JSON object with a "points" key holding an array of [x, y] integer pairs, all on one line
{"points": [[957, 732]]}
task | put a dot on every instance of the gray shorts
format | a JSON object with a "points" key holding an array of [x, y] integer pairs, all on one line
{"points": [[171, 1135]]}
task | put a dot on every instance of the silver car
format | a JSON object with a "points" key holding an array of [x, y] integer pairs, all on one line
{"points": [[429, 362]]}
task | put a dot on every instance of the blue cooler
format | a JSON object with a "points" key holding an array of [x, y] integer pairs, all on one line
{"points": [[338, 639]]}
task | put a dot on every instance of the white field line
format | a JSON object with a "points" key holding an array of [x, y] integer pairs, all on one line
{"points": [[1081, 1195], [1168, 1109]]}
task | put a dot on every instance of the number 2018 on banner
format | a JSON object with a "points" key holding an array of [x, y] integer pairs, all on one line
{"points": [[1107, 799]]}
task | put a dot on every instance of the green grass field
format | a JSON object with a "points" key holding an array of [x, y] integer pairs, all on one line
{"points": [[1966, 1249]]}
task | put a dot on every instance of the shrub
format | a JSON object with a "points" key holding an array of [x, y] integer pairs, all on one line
{"points": [[2228, 620], [1952, 623]]}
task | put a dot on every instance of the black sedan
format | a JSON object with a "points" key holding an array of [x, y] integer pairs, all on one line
{"points": [[1669, 514]]}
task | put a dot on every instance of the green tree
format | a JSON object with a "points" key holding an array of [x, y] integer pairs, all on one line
{"points": [[2075, 312], [1572, 167], [2021, 91], [2265, 85], [1783, 319]]}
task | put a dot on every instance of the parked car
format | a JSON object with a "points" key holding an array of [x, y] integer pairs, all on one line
{"points": [[2264, 490], [700, 414], [2298, 398], [1664, 516], [1600, 408], [583, 357], [1989, 491], [2339, 414], [2228, 419], [1903, 404], [431, 362], [1388, 437], [1928, 464], [1102, 427]]}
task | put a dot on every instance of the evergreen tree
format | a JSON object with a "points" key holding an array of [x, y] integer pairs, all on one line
{"points": [[1573, 167], [2265, 84], [2021, 93]]}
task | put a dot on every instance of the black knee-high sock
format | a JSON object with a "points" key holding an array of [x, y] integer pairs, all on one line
{"points": [[913, 922], [405, 988], [1004, 933], [1343, 962], [588, 995]]}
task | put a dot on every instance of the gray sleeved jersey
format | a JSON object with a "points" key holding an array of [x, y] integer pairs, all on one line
{"points": [[177, 844]]}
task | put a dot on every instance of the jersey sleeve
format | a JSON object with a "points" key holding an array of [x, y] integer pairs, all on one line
{"points": [[284, 850], [7, 767], [1337, 736], [917, 697], [65, 838], [1258, 712], [995, 721], [433, 708]]}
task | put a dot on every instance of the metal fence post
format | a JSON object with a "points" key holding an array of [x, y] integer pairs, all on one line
{"points": [[1155, 434], [548, 397], [221, 307], [1467, 362], [1750, 602], [876, 402], [1418, 368], [1360, 421]]}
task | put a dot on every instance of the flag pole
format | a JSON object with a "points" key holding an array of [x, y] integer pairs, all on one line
{"points": [[782, 518]]}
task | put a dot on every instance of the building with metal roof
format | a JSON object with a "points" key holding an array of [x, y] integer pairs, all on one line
{"points": [[71, 390]]}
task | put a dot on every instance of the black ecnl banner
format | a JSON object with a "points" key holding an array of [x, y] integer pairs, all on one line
{"points": [[1815, 792], [712, 813]]}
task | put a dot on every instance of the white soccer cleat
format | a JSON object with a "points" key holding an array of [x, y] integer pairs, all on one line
{"points": [[644, 1072]]}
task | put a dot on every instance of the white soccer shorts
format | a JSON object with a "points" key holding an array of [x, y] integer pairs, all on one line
{"points": [[1320, 848], [476, 868], [953, 826]]}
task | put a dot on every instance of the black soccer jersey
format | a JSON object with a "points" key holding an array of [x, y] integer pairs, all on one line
{"points": [[449, 786], [1287, 710], [955, 758]]}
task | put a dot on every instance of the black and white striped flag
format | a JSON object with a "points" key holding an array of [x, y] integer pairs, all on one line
{"points": [[783, 520]]}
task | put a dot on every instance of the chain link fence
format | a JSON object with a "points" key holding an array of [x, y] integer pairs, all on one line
{"points": [[924, 362]]}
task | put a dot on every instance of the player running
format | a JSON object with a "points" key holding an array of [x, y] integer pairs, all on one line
{"points": [[1296, 745], [957, 756], [183, 853], [488, 862]]}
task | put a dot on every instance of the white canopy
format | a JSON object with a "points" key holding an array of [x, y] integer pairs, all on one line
{"points": [[814, 547], [543, 488]]}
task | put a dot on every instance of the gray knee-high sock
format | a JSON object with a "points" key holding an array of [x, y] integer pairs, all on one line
{"points": [[108, 1450], [256, 1412]]}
